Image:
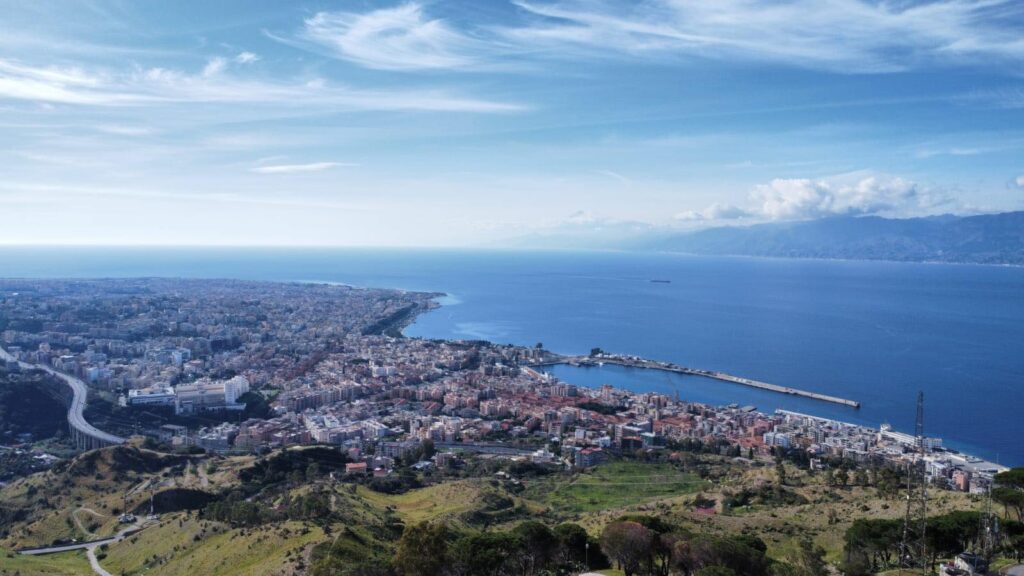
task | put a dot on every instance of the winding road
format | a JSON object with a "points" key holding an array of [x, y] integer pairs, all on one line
{"points": [[86, 435]]}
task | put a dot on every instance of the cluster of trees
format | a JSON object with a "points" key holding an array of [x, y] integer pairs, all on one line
{"points": [[403, 480], [293, 466], [636, 544], [1009, 492], [873, 545], [767, 495], [269, 479], [236, 510], [647, 545], [30, 404], [432, 549]]}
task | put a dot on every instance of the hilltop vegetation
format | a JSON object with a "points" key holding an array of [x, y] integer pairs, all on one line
{"points": [[30, 404], [295, 512]]}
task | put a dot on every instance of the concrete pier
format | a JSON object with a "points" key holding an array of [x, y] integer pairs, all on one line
{"points": [[633, 362]]}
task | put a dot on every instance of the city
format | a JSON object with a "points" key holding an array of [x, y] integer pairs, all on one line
{"points": [[323, 361]]}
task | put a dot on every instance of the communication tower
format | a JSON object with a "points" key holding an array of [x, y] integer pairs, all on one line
{"points": [[913, 548]]}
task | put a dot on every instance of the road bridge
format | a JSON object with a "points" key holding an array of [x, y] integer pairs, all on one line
{"points": [[85, 435]]}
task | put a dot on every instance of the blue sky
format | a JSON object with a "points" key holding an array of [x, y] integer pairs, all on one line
{"points": [[469, 123]]}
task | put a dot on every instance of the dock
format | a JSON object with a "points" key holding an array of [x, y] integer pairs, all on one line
{"points": [[633, 362]]}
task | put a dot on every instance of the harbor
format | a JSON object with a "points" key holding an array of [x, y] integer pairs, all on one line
{"points": [[645, 364]]}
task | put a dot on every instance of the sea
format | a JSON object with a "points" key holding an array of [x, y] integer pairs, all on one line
{"points": [[875, 332]]}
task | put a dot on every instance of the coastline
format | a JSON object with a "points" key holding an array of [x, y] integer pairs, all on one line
{"points": [[824, 259], [562, 357]]}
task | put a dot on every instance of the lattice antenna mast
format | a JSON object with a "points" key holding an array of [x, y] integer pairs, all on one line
{"points": [[913, 549], [989, 528]]}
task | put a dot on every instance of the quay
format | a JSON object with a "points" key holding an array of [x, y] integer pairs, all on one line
{"points": [[634, 362]]}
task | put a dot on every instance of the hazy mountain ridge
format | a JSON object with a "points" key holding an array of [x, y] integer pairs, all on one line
{"points": [[984, 239]]}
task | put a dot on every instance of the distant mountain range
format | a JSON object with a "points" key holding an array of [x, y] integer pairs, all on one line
{"points": [[985, 239]]}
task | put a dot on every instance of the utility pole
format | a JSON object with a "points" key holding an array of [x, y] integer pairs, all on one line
{"points": [[914, 548]]}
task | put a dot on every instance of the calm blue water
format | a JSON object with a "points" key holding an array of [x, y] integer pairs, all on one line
{"points": [[870, 331]]}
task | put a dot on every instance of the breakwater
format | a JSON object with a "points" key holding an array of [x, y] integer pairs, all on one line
{"points": [[644, 364]]}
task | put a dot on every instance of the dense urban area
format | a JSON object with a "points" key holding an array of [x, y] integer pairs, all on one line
{"points": [[232, 369]]}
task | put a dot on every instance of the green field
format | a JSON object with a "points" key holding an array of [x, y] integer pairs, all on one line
{"points": [[441, 501], [612, 486]]}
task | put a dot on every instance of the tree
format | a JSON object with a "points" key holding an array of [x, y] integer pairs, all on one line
{"points": [[860, 477], [428, 449], [572, 545], [715, 571], [537, 546], [856, 563], [809, 559], [877, 539], [780, 470], [742, 555], [486, 554], [1009, 491], [628, 543], [422, 550], [842, 477]]}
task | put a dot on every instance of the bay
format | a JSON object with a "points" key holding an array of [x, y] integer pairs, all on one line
{"points": [[876, 332]]}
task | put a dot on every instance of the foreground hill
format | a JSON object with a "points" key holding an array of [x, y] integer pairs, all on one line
{"points": [[292, 512], [985, 239]]}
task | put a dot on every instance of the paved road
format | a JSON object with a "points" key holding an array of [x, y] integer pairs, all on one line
{"points": [[124, 533], [95, 562], [1017, 570], [75, 417]]}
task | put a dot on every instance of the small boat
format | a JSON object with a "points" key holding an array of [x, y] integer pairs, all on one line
{"points": [[656, 281]]}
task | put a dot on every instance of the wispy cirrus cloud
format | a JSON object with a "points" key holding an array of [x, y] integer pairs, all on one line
{"points": [[398, 38], [154, 86], [846, 36], [298, 168]]}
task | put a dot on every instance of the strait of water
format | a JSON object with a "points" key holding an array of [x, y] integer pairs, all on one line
{"points": [[875, 332]]}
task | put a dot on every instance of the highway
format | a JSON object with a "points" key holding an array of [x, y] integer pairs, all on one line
{"points": [[632, 362], [85, 435]]}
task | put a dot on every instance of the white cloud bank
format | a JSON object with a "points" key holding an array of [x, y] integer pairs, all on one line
{"points": [[1020, 181], [806, 199]]}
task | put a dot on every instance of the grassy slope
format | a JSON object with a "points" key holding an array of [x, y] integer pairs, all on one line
{"points": [[63, 564], [97, 481], [781, 526], [439, 502], [200, 547], [367, 518], [612, 486]]}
